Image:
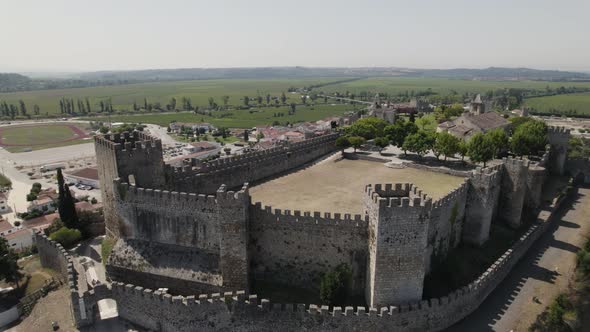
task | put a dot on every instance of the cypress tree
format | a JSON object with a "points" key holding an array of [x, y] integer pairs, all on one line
{"points": [[66, 206]]}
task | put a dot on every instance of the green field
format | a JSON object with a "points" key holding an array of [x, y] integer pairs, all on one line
{"points": [[578, 102], [396, 85], [237, 118], [123, 96], [37, 137]]}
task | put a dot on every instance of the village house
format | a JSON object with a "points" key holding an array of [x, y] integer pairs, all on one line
{"points": [[202, 127], [20, 239], [6, 227], [198, 147], [469, 124]]}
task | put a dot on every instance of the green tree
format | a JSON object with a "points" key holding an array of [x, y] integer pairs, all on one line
{"points": [[462, 149], [283, 98], [335, 284], [381, 142], [246, 100], [446, 144], [342, 142], [356, 142], [426, 122], [529, 138], [418, 143], [480, 149], [499, 139], [367, 128], [9, 268], [225, 100], [23, 107], [67, 237], [172, 103], [398, 132], [246, 136]]}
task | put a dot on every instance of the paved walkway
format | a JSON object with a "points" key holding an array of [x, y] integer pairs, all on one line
{"points": [[544, 272]]}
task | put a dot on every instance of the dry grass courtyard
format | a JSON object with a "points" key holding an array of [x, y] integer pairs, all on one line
{"points": [[338, 186]]}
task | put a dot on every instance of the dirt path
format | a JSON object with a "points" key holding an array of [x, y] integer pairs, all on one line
{"points": [[544, 272]]}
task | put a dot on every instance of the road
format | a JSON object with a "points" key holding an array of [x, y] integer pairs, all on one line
{"points": [[544, 272]]}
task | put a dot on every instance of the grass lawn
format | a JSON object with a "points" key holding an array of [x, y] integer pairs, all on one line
{"points": [[106, 248], [578, 102], [238, 118], [123, 96], [37, 137]]}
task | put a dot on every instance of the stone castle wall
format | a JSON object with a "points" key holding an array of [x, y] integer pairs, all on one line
{"points": [[447, 220], [237, 311], [252, 167], [52, 255], [212, 225], [295, 248]]}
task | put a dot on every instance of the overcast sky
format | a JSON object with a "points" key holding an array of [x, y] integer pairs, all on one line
{"points": [[85, 35]]}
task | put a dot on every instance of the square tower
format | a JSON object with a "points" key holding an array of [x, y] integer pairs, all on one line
{"points": [[399, 215]]}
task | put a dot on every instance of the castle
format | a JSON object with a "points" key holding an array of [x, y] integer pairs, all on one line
{"points": [[195, 230]]}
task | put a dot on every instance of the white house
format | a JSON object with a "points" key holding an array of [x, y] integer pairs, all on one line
{"points": [[20, 239]]}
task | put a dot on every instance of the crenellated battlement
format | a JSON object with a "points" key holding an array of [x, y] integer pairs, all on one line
{"points": [[267, 214], [128, 141], [131, 193], [452, 196], [557, 130], [397, 195], [259, 156]]}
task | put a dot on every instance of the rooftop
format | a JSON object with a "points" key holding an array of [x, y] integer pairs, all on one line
{"points": [[5, 225], [488, 120], [20, 233], [86, 173]]}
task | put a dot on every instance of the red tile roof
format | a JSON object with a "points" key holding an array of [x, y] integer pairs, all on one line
{"points": [[19, 233], [5, 225]]}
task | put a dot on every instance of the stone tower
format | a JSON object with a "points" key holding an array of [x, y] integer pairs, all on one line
{"points": [[513, 191], [558, 137], [477, 106], [482, 204], [398, 231], [233, 245], [123, 155]]}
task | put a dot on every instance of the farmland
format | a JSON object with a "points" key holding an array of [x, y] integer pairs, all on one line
{"points": [[396, 85], [123, 96], [237, 118], [578, 102]]}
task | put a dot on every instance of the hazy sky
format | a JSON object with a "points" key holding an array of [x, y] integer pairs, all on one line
{"points": [[74, 35]]}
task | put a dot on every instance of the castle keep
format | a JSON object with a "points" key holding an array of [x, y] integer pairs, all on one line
{"points": [[196, 230]]}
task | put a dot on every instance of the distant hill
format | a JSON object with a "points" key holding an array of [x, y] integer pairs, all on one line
{"points": [[16, 82], [492, 73]]}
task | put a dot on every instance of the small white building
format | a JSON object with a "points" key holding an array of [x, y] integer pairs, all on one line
{"points": [[44, 204], [20, 239], [85, 176]]}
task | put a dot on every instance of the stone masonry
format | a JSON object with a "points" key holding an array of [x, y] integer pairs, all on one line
{"points": [[219, 240]]}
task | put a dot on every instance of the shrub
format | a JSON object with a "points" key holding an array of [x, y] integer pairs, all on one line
{"points": [[66, 237], [105, 248], [335, 284]]}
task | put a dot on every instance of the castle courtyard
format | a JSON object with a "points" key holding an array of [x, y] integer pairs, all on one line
{"points": [[338, 185]]}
